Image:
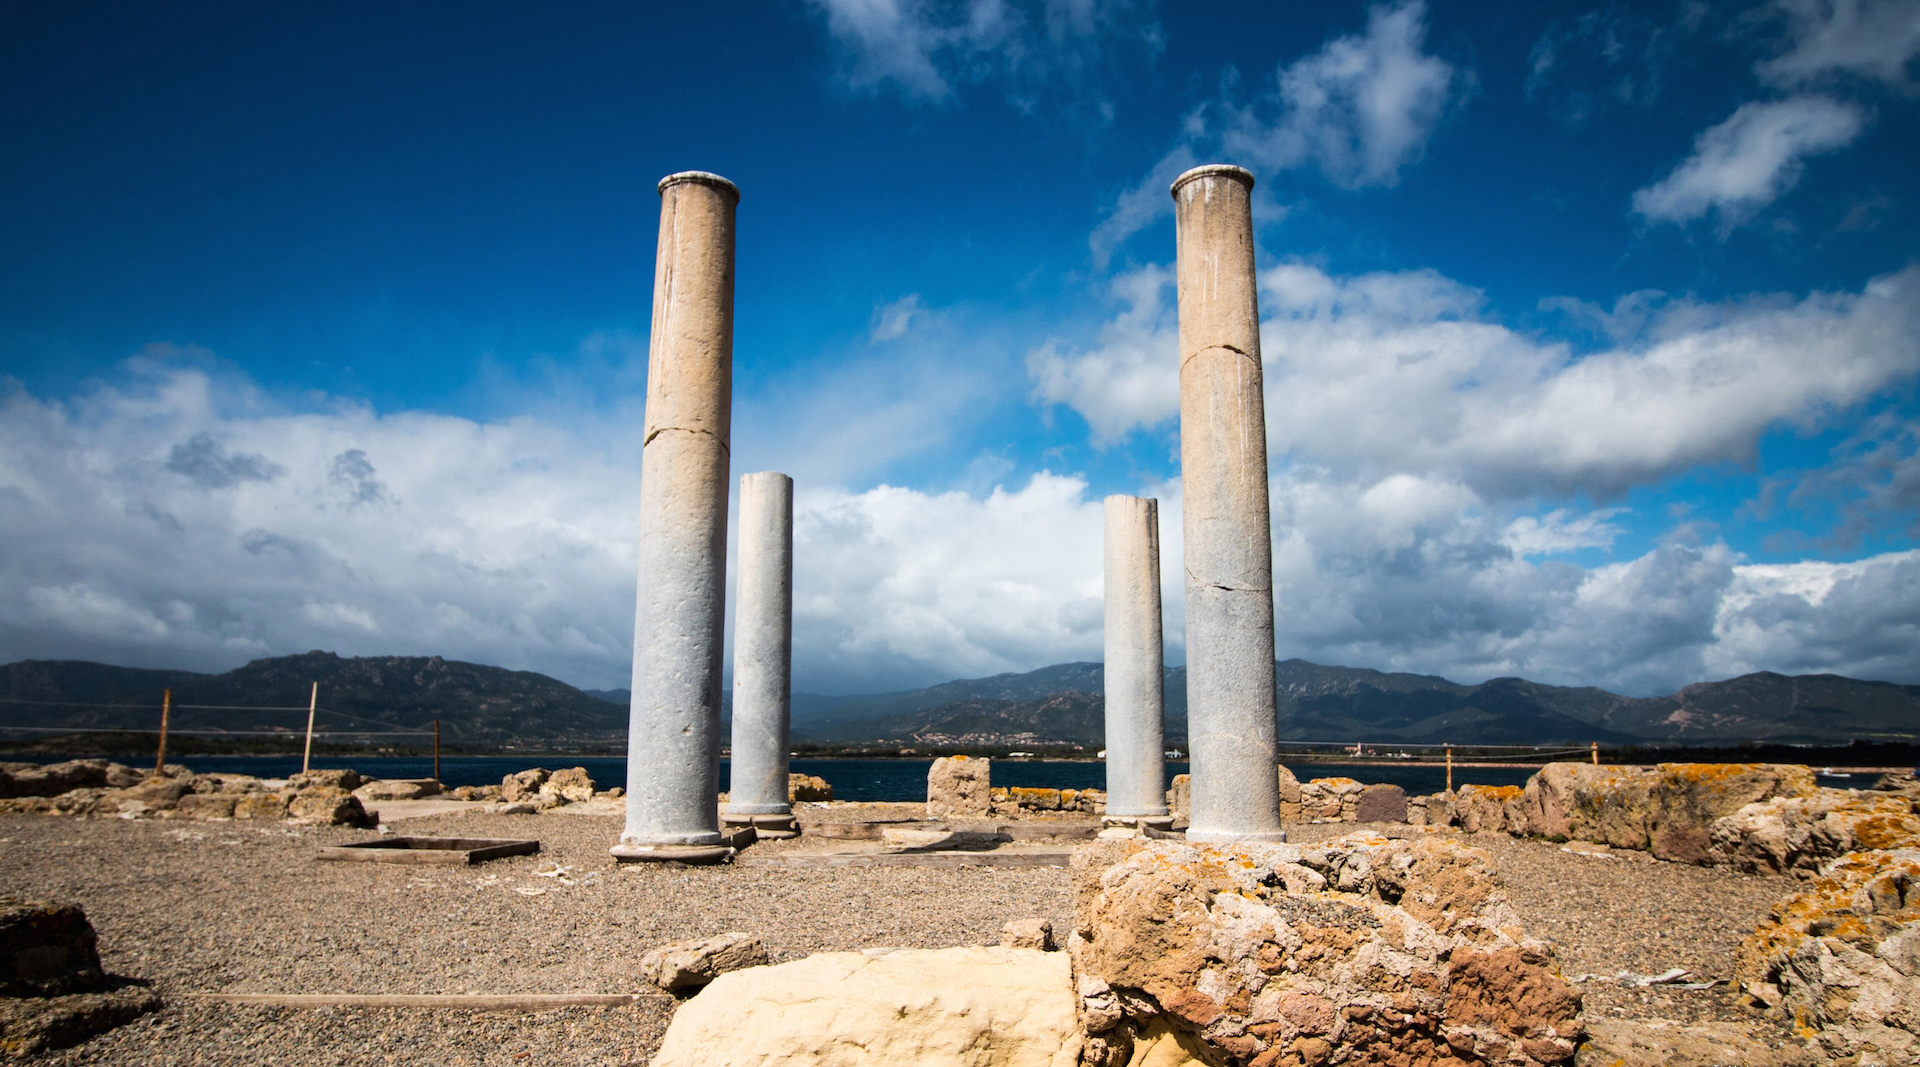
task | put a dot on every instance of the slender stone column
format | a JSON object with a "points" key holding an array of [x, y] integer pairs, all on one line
{"points": [[1135, 666], [673, 745], [763, 659], [1231, 727]]}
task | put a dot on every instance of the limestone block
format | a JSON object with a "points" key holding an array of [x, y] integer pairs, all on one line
{"points": [[53, 779], [1289, 786], [475, 792], [1842, 958], [263, 806], [397, 789], [1381, 802], [328, 806], [955, 1007], [523, 785], [1034, 798], [346, 779], [685, 964], [1035, 933], [1490, 807], [207, 805], [1659, 1043], [1385, 951], [569, 786], [1689, 797], [807, 787], [958, 785], [1803, 834], [46, 950], [1180, 796]]}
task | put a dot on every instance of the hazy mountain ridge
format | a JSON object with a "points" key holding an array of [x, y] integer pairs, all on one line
{"points": [[480, 705], [476, 704]]}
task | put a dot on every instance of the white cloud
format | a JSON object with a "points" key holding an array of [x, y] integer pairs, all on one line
{"points": [[1131, 379], [1748, 161], [928, 49], [891, 321], [1379, 373], [1874, 39], [1361, 109]]}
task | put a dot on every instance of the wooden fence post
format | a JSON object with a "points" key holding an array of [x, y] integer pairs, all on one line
{"points": [[166, 710], [313, 701]]}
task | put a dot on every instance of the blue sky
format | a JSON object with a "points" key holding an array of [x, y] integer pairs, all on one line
{"points": [[1590, 331]]}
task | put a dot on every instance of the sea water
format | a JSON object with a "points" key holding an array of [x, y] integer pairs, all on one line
{"points": [[852, 779]]}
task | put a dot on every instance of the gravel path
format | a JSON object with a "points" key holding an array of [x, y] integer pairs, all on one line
{"points": [[237, 907]]}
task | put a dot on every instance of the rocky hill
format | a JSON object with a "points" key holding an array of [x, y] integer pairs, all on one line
{"points": [[478, 706], [489, 707]]}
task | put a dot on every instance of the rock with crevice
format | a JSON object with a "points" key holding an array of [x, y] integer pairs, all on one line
{"points": [[1489, 807], [1034, 933], [1362, 950], [523, 786], [1841, 959], [570, 785], [955, 1007]]}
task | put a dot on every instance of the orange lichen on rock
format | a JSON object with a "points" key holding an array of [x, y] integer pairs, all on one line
{"points": [[1364, 949], [1842, 958]]}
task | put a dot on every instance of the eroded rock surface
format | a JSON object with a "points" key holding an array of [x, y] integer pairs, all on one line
{"points": [[1668, 810], [1803, 834], [957, 785], [977, 1007], [1362, 951], [686, 964], [1842, 959]]}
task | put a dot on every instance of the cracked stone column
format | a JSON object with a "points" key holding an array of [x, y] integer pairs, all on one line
{"points": [[673, 745], [763, 659], [1231, 727], [1135, 668]]}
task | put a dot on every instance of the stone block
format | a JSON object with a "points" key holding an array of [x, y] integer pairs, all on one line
{"points": [[568, 786], [807, 787], [958, 785], [47, 950], [263, 806], [977, 1007], [328, 806], [1841, 960], [344, 779], [1035, 933], [523, 785], [1381, 802], [207, 805], [1267, 952], [687, 964]]}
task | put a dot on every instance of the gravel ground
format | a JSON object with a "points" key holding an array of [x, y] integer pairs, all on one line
{"points": [[241, 908]]}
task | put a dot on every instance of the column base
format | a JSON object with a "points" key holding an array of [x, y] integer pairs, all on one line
{"points": [[1224, 837], [774, 826], [627, 853]]}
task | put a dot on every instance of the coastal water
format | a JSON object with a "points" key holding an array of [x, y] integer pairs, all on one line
{"points": [[852, 779]]}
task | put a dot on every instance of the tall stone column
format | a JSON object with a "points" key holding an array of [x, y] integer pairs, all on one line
{"points": [[1135, 667], [673, 749], [763, 659], [1231, 727]]}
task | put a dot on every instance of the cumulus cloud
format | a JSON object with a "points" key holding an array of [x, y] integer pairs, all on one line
{"points": [[928, 49], [1130, 379], [1746, 162], [1874, 39], [1403, 372], [1360, 110]]}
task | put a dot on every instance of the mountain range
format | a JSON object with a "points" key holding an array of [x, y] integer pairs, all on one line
{"points": [[483, 707]]}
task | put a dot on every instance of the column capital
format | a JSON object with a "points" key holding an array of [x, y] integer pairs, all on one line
{"points": [[1212, 170], [701, 177]]}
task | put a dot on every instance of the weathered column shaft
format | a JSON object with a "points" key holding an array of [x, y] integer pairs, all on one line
{"points": [[1231, 727], [763, 657], [673, 751], [1135, 665]]}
